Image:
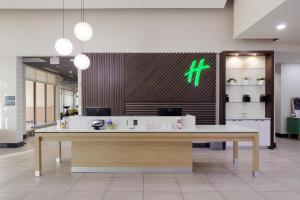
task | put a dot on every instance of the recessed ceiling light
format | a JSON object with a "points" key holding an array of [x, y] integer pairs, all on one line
{"points": [[280, 27], [236, 54]]}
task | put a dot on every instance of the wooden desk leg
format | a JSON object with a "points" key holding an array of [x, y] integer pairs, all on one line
{"points": [[255, 155], [235, 152], [38, 156], [58, 152]]}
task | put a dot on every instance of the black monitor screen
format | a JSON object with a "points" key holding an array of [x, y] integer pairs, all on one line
{"points": [[98, 112], [169, 111]]}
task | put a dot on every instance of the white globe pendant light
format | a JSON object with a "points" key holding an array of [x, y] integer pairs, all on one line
{"points": [[83, 31], [63, 46], [82, 61]]}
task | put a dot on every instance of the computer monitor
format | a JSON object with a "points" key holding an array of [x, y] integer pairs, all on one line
{"points": [[98, 111], [169, 111]]}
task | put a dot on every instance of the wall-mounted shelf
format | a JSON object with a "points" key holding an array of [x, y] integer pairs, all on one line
{"points": [[245, 102], [255, 67], [245, 85], [246, 68]]}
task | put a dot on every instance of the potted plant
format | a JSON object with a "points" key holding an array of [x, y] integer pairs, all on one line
{"points": [[245, 80], [246, 98], [263, 98], [260, 81], [226, 98], [231, 81]]}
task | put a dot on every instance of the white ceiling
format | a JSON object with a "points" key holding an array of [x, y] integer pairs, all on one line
{"points": [[265, 28], [99, 4]]}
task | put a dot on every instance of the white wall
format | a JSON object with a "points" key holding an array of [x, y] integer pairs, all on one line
{"points": [[290, 84], [247, 13], [33, 33]]}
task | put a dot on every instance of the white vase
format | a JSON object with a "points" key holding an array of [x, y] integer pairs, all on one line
{"points": [[245, 82], [261, 82], [232, 82]]}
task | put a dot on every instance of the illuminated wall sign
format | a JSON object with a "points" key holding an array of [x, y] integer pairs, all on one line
{"points": [[197, 71]]}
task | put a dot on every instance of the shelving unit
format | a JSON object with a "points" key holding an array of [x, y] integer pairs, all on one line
{"points": [[253, 114]]}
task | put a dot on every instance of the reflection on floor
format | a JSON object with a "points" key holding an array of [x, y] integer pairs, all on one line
{"points": [[214, 177]]}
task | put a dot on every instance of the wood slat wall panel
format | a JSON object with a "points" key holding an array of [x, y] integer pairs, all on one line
{"points": [[203, 111], [102, 82], [139, 83]]}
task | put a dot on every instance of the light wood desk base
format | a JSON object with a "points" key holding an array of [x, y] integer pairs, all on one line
{"points": [[138, 152]]}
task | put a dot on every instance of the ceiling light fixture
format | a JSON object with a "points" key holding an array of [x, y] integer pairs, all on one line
{"points": [[82, 61], [62, 45], [82, 30], [281, 27]]}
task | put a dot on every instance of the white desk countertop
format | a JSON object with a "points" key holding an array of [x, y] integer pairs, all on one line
{"points": [[199, 129]]}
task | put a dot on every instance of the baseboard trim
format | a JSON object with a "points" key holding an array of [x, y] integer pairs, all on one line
{"points": [[132, 169], [12, 145]]}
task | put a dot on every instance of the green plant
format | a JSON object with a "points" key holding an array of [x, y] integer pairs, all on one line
{"points": [[231, 79], [260, 79], [246, 78]]}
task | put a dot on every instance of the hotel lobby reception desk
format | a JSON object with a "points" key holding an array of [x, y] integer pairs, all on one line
{"points": [[141, 150]]}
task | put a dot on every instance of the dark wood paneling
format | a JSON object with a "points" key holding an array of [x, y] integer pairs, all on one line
{"points": [[202, 111], [102, 82], [138, 83], [222, 89], [159, 77], [270, 92]]}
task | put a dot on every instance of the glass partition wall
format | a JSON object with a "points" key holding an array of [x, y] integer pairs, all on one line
{"points": [[40, 103]]}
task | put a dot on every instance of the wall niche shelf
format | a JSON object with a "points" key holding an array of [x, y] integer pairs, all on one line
{"points": [[245, 102], [245, 85], [254, 68]]}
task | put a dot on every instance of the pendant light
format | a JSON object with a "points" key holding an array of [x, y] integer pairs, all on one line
{"points": [[82, 61], [82, 30], [63, 46]]}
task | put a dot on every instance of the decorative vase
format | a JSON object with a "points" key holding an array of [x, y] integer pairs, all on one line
{"points": [[261, 82], [246, 98], [226, 98], [245, 82], [263, 98]]}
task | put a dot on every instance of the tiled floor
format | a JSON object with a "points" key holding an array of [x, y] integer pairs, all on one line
{"points": [[214, 177]]}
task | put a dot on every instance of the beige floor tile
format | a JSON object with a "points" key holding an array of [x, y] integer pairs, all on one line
{"points": [[123, 186], [53, 187], [18, 188], [45, 195], [163, 196], [123, 196], [161, 187], [281, 195], [89, 187], [202, 195], [242, 195], [233, 187], [169, 180], [197, 187], [83, 195]]}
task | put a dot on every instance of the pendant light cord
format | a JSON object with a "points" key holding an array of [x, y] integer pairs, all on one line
{"points": [[82, 10], [63, 14]]}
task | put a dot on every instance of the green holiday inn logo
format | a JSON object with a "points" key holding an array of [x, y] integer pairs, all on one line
{"points": [[196, 71]]}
